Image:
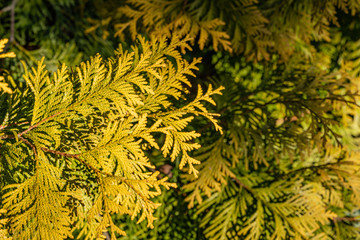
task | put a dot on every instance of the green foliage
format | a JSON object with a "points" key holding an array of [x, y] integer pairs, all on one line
{"points": [[54, 29], [93, 145], [278, 171]]}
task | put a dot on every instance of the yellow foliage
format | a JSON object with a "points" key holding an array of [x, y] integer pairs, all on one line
{"points": [[162, 18], [87, 132], [4, 86], [3, 222]]}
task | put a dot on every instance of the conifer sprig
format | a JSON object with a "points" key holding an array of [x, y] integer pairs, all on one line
{"points": [[89, 128]]}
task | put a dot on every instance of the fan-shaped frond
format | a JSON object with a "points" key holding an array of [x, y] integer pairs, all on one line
{"points": [[87, 133]]}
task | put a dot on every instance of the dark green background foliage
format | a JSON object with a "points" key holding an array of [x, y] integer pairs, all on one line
{"points": [[287, 163]]}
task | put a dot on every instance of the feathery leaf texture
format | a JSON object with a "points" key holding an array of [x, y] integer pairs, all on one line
{"points": [[159, 18], [277, 172], [297, 204], [82, 152], [280, 170], [253, 28], [85, 142], [4, 235]]}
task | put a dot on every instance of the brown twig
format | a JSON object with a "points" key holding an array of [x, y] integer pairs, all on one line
{"points": [[241, 184], [12, 124], [6, 9], [164, 169], [39, 123], [29, 144], [6, 136], [11, 9], [75, 156], [184, 7], [107, 235], [69, 155], [313, 168], [349, 219], [32, 127]]}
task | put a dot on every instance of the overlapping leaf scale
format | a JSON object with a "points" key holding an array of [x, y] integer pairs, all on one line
{"points": [[95, 123], [37, 203], [214, 170], [188, 24]]}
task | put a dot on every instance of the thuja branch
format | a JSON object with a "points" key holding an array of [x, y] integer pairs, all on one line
{"points": [[32, 126], [63, 154], [315, 168], [77, 157], [136, 191], [347, 219], [29, 144], [39, 123], [241, 184], [66, 155], [69, 155], [266, 203], [12, 124], [326, 127]]}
